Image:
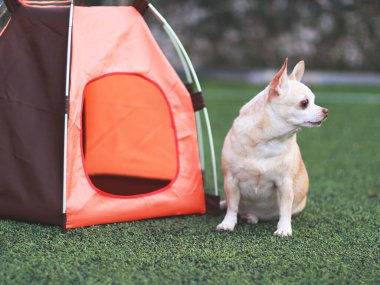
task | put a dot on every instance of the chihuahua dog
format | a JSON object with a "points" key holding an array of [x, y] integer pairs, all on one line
{"points": [[264, 174]]}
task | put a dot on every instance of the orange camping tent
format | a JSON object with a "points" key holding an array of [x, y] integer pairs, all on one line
{"points": [[130, 148]]}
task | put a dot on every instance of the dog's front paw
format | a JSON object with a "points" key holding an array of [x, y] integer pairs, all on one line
{"points": [[283, 231], [226, 226]]}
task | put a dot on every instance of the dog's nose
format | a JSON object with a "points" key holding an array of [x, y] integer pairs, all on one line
{"points": [[325, 112]]}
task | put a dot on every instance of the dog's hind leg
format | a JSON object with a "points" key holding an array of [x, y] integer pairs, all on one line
{"points": [[233, 198], [250, 218]]}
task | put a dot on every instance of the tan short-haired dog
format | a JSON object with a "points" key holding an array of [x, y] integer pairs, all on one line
{"points": [[264, 175]]}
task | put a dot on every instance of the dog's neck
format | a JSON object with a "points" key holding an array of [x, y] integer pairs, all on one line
{"points": [[261, 125], [278, 129]]}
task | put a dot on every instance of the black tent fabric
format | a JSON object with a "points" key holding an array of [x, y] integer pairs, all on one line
{"points": [[33, 51]]}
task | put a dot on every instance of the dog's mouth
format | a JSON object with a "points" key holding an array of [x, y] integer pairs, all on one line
{"points": [[315, 123]]}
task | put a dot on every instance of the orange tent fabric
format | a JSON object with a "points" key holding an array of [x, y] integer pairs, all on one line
{"points": [[112, 46], [130, 130]]}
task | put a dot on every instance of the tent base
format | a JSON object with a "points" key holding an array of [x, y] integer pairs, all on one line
{"points": [[213, 204]]}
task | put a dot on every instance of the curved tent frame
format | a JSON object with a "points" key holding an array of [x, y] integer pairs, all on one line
{"points": [[191, 78]]}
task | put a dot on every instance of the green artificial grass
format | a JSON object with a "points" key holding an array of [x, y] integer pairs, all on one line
{"points": [[335, 240]]}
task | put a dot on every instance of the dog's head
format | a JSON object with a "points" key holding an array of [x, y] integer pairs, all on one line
{"points": [[292, 101]]}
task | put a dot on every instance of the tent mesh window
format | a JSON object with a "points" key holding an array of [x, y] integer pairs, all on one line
{"points": [[128, 140]]}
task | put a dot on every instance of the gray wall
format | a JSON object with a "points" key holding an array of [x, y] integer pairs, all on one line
{"points": [[251, 34]]}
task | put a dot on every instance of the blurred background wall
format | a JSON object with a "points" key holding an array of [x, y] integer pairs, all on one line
{"points": [[255, 34], [327, 34]]}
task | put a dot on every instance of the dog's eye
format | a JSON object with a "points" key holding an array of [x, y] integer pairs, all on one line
{"points": [[304, 103]]}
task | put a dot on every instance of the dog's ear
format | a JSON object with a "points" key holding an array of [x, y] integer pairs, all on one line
{"points": [[279, 84], [298, 71]]}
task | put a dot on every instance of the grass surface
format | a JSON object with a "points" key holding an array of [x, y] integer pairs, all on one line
{"points": [[335, 240]]}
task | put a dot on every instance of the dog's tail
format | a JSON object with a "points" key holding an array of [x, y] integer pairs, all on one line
{"points": [[223, 205]]}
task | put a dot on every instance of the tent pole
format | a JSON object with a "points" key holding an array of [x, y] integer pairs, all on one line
{"points": [[67, 101], [173, 35], [189, 80], [200, 140]]}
